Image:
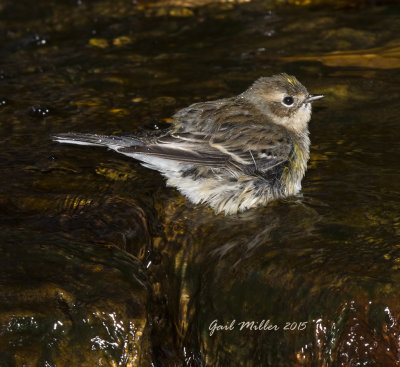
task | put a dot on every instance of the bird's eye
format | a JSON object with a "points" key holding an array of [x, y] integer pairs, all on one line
{"points": [[288, 101]]}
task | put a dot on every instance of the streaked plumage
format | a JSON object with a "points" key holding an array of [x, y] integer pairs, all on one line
{"points": [[232, 154]]}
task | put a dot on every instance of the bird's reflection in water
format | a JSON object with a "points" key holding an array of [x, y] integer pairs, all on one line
{"points": [[202, 249]]}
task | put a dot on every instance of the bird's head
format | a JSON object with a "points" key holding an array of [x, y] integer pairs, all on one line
{"points": [[284, 100]]}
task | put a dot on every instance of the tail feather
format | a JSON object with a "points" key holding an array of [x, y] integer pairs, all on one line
{"points": [[110, 141], [118, 143]]}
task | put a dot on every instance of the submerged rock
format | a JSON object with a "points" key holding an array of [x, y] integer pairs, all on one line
{"points": [[68, 303]]}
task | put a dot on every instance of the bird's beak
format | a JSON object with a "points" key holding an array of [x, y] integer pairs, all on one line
{"points": [[314, 97]]}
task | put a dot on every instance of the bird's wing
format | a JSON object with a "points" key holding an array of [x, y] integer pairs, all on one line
{"points": [[257, 147], [188, 148], [254, 147]]}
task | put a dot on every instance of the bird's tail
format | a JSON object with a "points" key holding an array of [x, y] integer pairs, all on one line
{"points": [[110, 141]]}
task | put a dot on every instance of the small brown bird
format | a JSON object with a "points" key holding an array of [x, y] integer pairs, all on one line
{"points": [[232, 154]]}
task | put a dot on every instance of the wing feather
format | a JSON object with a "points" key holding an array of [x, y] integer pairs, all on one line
{"points": [[246, 148]]}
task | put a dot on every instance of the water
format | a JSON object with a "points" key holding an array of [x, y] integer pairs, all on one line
{"points": [[103, 265]]}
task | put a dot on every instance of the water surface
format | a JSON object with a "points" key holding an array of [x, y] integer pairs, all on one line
{"points": [[103, 265]]}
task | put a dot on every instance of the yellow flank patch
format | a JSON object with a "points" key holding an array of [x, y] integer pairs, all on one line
{"points": [[295, 162], [286, 176]]}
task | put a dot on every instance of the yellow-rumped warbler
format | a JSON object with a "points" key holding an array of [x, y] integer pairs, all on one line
{"points": [[232, 154]]}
